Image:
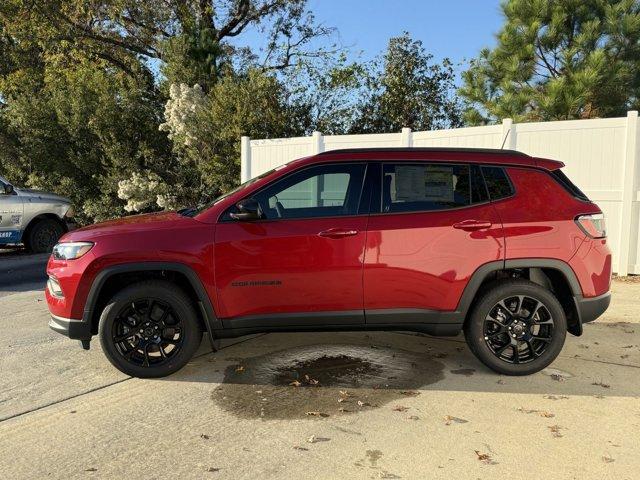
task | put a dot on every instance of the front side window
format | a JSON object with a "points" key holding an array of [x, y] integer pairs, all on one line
{"points": [[320, 191], [433, 186]]}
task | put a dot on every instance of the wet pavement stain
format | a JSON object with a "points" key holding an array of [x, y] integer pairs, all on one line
{"points": [[467, 372], [332, 380]]}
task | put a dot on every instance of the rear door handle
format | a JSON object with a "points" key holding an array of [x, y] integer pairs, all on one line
{"points": [[470, 225], [337, 233]]}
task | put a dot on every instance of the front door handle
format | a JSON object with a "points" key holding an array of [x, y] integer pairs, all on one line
{"points": [[337, 233], [470, 225]]}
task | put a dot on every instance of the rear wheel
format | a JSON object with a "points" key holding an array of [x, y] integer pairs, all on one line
{"points": [[516, 327], [149, 329], [43, 236]]}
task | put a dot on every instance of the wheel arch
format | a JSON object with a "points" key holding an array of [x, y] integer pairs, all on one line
{"points": [[555, 275], [43, 216], [116, 277]]}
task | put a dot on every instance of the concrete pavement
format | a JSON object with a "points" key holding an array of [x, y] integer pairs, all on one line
{"points": [[388, 405]]}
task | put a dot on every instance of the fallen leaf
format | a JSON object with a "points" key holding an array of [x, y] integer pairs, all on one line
{"points": [[295, 383], [363, 404], [91, 469], [239, 369], [206, 437], [409, 393], [301, 448], [557, 378], [448, 419], [556, 397], [343, 410], [606, 459], [483, 457], [555, 430], [213, 469], [414, 417], [400, 408], [601, 384], [317, 414], [340, 400], [501, 382]]}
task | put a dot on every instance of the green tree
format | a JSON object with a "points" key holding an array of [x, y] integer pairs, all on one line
{"points": [[406, 89], [558, 60]]}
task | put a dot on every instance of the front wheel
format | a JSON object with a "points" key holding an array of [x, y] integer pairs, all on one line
{"points": [[43, 236], [149, 329], [516, 327]]}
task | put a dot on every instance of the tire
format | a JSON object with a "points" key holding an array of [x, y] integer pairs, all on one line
{"points": [[491, 331], [149, 329], [43, 236]]}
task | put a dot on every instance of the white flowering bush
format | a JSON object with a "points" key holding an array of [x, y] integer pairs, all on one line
{"points": [[141, 191], [181, 113]]}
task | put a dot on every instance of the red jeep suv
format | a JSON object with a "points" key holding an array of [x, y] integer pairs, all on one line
{"points": [[494, 243]]}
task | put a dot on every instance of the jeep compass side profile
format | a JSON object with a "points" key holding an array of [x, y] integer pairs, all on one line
{"points": [[495, 243]]}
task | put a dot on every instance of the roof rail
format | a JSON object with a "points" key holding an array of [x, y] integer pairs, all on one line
{"points": [[492, 151]]}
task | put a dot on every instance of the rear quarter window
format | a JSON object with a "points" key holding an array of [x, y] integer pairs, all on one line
{"points": [[568, 185], [498, 183]]}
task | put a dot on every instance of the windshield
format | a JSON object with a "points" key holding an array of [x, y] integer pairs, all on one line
{"points": [[192, 212]]}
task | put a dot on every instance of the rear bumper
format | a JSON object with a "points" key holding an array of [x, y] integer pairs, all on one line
{"points": [[590, 308], [75, 329]]}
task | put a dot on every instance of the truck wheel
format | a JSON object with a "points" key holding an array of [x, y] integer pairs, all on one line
{"points": [[43, 236], [149, 329], [516, 327]]}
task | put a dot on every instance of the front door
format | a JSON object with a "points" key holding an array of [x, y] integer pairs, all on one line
{"points": [[11, 212], [433, 227], [301, 264]]}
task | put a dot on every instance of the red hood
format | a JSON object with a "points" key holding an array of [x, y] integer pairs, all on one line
{"points": [[133, 223]]}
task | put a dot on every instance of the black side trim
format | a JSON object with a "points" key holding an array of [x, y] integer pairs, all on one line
{"points": [[74, 329], [446, 329], [348, 318], [470, 291], [392, 316], [591, 308], [210, 318]]}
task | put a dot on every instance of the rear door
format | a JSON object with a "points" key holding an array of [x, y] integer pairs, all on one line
{"points": [[434, 226], [302, 263]]}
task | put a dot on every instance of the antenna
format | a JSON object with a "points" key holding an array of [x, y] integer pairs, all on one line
{"points": [[505, 139]]}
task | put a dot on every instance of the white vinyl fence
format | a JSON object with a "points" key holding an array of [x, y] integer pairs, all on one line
{"points": [[602, 158]]}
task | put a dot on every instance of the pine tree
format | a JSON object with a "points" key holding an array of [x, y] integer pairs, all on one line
{"points": [[557, 60]]}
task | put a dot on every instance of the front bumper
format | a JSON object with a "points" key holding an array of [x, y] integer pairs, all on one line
{"points": [[74, 329], [590, 308]]}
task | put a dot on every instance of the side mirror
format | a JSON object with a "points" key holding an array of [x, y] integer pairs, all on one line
{"points": [[249, 209], [8, 189]]}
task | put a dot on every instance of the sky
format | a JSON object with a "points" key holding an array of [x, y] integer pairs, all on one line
{"points": [[457, 29]]}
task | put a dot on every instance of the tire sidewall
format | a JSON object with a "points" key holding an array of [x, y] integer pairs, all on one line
{"points": [[474, 331], [165, 293], [32, 243]]}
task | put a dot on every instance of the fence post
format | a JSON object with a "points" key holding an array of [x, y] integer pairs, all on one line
{"points": [[245, 159], [508, 140], [406, 137], [317, 143], [630, 170]]}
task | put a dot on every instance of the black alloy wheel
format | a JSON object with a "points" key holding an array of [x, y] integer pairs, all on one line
{"points": [[147, 332], [516, 327], [150, 329]]}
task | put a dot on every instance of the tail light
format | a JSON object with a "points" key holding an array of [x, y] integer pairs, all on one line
{"points": [[593, 225]]}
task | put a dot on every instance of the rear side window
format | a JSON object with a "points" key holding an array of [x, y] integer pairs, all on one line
{"points": [[433, 186], [498, 183], [568, 185]]}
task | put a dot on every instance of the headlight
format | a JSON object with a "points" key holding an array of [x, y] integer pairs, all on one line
{"points": [[71, 250]]}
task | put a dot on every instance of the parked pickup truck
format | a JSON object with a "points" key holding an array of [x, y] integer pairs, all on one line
{"points": [[36, 219]]}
